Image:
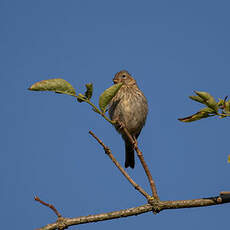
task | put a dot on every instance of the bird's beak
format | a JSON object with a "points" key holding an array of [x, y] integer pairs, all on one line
{"points": [[115, 81]]}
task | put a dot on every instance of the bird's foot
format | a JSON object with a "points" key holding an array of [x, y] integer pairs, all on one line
{"points": [[120, 125], [134, 143]]}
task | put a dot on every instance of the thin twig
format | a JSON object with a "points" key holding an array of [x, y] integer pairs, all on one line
{"points": [[95, 109], [48, 205], [145, 166], [109, 153], [141, 157]]}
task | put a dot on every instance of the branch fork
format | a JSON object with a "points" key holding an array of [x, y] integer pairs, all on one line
{"points": [[154, 204]]}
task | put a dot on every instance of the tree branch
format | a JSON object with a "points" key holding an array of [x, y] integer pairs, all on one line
{"points": [[109, 153], [141, 157], [156, 206], [36, 198]]}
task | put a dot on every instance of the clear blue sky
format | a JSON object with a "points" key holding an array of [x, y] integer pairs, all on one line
{"points": [[171, 48]]}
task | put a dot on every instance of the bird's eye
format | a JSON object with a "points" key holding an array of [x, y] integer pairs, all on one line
{"points": [[124, 76]]}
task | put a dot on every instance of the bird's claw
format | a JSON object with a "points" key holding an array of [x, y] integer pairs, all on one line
{"points": [[120, 125], [134, 143]]}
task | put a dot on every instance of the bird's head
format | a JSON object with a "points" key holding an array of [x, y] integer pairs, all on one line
{"points": [[124, 77]]}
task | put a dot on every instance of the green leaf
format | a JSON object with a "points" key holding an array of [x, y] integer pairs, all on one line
{"points": [[203, 113], [220, 103], [57, 85], [197, 98], [208, 100], [89, 91], [204, 95], [208, 110], [211, 102], [195, 117], [107, 96], [227, 107]]}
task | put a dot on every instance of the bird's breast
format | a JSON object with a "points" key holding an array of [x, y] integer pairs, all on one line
{"points": [[131, 109]]}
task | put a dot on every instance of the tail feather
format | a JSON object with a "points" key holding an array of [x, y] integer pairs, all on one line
{"points": [[129, 155]]}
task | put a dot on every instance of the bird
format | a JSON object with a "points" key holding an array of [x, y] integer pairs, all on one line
{"points": [[130, 107]]}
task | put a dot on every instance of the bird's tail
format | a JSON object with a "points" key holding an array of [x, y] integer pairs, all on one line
{"points": [[129, 155]]}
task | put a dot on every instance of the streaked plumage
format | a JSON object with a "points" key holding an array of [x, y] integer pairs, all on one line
{"points": [[130, 107]]}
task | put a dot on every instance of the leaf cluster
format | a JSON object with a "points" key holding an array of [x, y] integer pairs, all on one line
{"points": [[59, 85], [212, 107]]}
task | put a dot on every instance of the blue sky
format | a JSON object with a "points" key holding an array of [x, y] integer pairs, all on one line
{"points": [[171, 48]]}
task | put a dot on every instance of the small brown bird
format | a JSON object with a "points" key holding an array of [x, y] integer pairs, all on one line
{"points": [[129, 106]]}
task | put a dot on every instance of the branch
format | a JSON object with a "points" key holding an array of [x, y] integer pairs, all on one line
{"points": [[141, 157], [36, 198], [156, 206], [109, 153], [151, 181]]}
